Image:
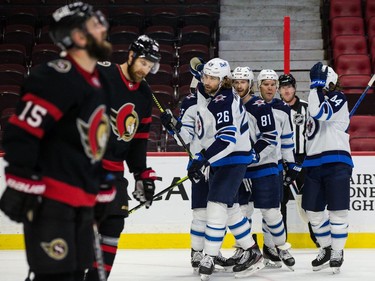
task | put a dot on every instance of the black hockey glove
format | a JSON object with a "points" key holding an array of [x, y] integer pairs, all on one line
{"points": [[22, 196], [170, 122], [293, 169], [105, 197], [144, 186], [197, 166], [318, 77]]}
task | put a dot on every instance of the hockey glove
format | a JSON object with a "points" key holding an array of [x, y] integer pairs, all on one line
{"points": [[105, 197], [197, 166], [144, 186], [196, 67], [292, 172], [254, 156], [170, 122], [22, 196], [318, 78]]}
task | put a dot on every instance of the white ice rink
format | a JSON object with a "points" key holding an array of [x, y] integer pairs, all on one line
{"points": [[168, 265]]}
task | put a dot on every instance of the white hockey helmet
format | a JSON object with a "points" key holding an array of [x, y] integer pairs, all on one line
{"points": [[332, 77], [243, 73], [218, 68], [267, 74]]}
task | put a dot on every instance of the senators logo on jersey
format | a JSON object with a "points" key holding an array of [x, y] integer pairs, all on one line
{"points": [[95, 134], [125, 122]]}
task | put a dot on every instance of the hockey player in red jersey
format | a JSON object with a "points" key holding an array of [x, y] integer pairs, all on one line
{"points": [[54, 145], [131, 108]]}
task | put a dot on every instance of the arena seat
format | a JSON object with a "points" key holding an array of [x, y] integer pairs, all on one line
{"points": [[133, 16], [42, 53], [165, 95], [369, 9], [12, 74], [346, 26], [186, 52], [119, 53], [196, 34], [355, 84], [164, 76], [349, 44], [353, 64], [20, 34], [165, 15], [345, 8], [362, 144], [13, 54], [362, 126], [123, 34], [164, 34]]}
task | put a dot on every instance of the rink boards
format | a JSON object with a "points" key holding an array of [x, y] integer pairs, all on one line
{"points": [[166, 224]]}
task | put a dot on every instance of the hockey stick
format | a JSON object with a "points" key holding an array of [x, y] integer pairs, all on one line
{"points": [[174, 128], [99, 254], [362, 96], [173, 185], [298, 199]]}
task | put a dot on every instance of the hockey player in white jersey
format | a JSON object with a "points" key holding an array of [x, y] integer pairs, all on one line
{"points": [[222, 128], [275, 247], [328, 165], [264, 138]]}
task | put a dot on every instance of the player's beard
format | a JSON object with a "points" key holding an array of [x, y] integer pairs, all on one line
{"points": [[135, 76], [101, 51]]}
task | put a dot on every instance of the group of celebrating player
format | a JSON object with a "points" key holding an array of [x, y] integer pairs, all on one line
{"points": [[79, 120], [245, 157]]}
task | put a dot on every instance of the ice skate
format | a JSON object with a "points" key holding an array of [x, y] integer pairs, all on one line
{"points": [[285, 256], [337, 258], [196, 257], [271, 257], [236, 256], [322, 259], [206, 267], [223, 264], [251, 261]]}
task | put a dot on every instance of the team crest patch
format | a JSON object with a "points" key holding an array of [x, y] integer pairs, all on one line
{"points": [[56, 249], [259, 102], [124, 122], [104, 63], [219, 98], [62, 66], [298, 119]]}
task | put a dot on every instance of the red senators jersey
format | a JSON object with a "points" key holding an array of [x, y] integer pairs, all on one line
{"points": [[130, 119], [60, 130]]}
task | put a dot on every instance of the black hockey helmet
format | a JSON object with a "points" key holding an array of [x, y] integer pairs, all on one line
{"points": [[287, 79], [69, 17], [147, 48]]}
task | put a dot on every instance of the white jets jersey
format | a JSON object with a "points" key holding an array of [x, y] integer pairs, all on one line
{"points": [[285, 146], [263, 136], [327, 139], [221, 125]]}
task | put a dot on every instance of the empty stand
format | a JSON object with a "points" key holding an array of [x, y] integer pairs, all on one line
{"points": [[186, 52], [165, 95], [345, 8], [119, 53], [353, 64], [121, 34], [196, 34], [12, 74], [355, 84], [163, 34], [184, 75], [165, 16], [168, 54], [362, 126], [369, 9], [13, 54], [349, 44], [362, 144], [22, 15], [164, 76], [371, 30], [20, 34], [133, 16], [9, 96], [347, 26], [44, 53]]}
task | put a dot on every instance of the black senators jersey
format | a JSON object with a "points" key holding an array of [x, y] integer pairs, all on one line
{"points": [[130, 119], [60, 131]]}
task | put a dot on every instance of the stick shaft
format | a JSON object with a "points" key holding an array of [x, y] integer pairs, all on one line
{"points": [[160, 193], [362, 96]]}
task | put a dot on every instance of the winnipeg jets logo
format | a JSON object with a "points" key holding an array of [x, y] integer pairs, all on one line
{"points": [[219, 98], [124, 122], [190, 96], [259, 102], [199, 129], [312, 127]]}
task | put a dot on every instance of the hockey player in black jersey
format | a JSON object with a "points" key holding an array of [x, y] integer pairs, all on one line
{"points": [[298, 114], [53, 146], [131, 107]]}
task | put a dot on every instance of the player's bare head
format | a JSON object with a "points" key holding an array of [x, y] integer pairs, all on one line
{"points": [[267, 84]]}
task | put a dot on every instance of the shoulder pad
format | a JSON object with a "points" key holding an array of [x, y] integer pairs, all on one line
{"points": [[60, 65]]}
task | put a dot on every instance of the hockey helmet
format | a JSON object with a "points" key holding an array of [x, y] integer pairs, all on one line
{"points": [[69, 17], [332, 77], [287, 79], [218, 68], [267, 74], [145, 47], [243, 73]]}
